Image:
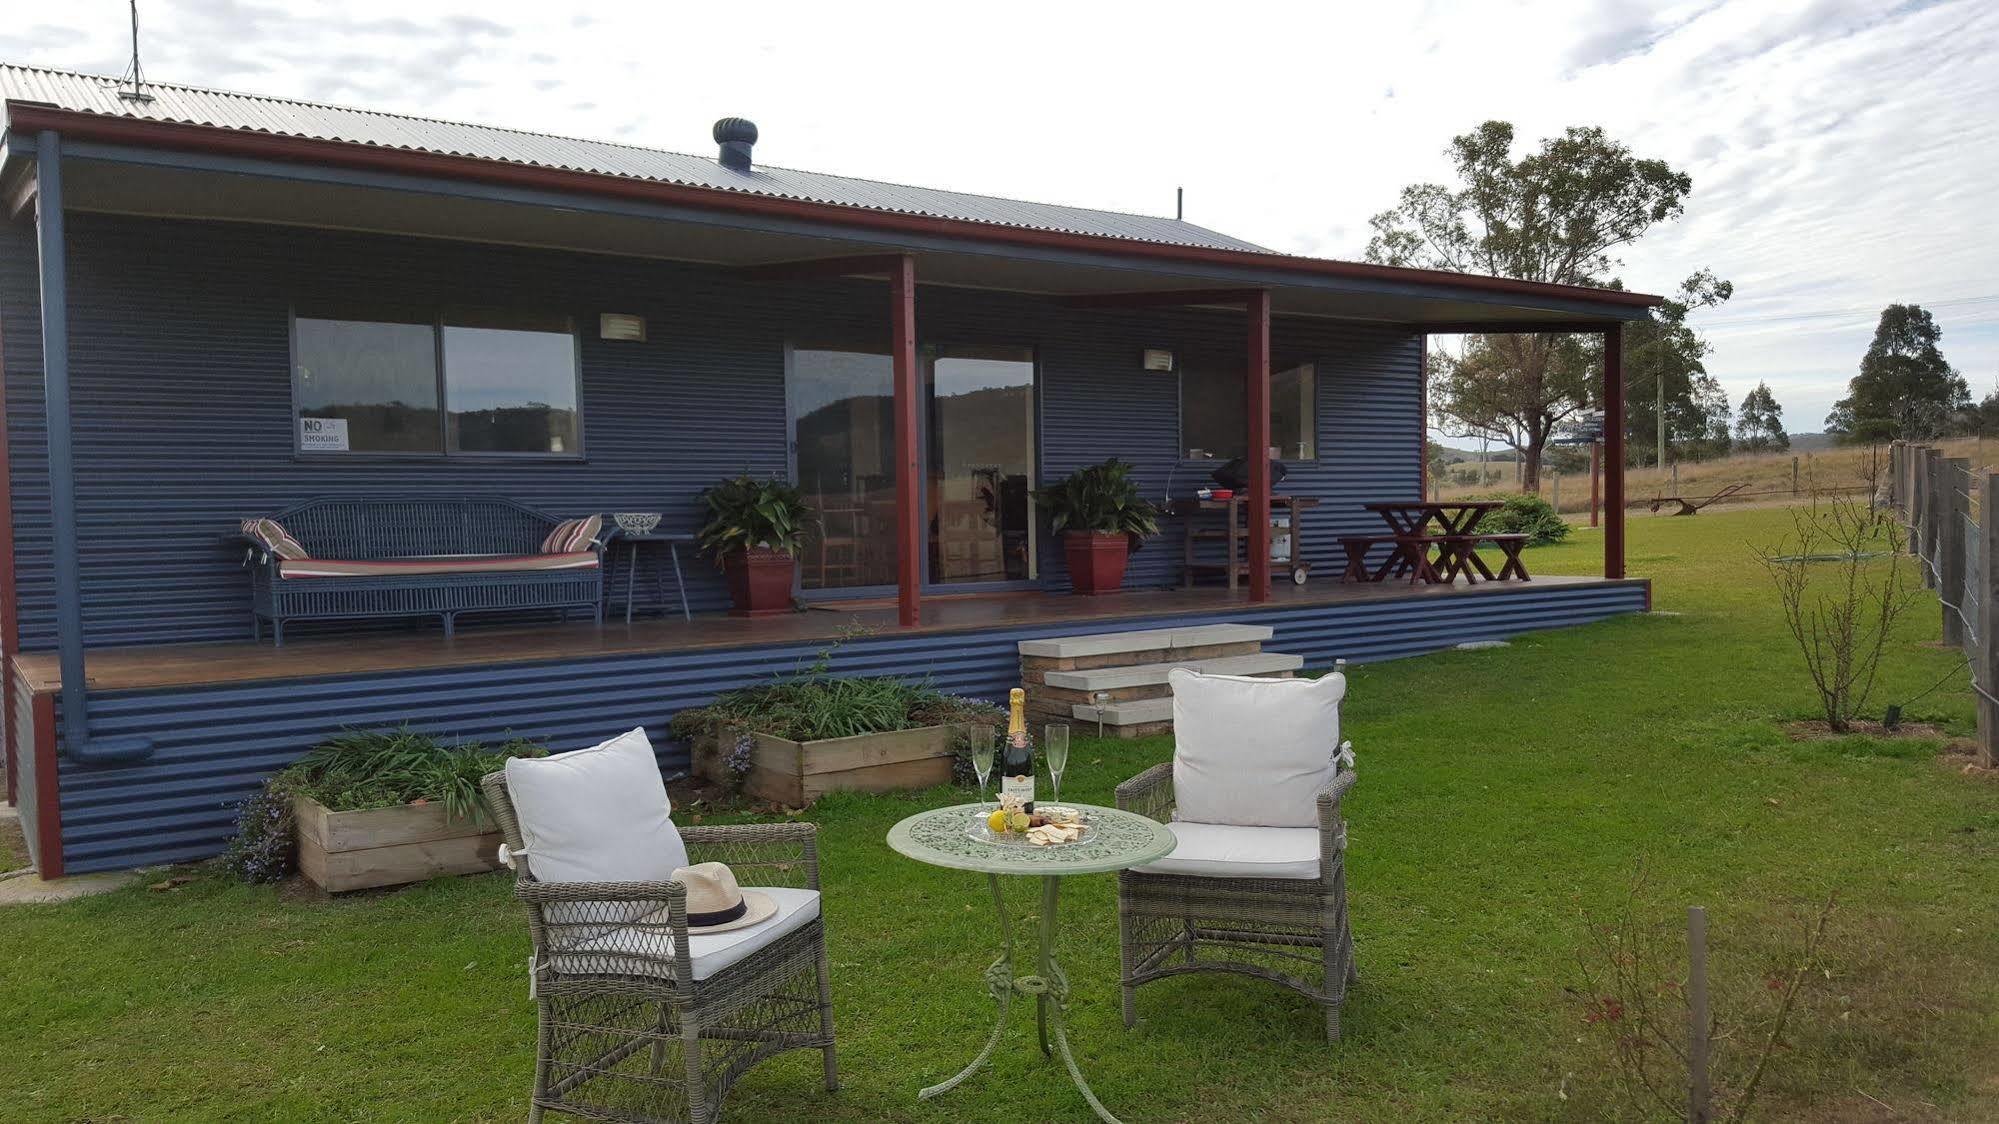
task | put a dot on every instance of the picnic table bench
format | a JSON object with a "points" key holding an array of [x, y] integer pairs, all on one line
{"points": [[1456, 541]]}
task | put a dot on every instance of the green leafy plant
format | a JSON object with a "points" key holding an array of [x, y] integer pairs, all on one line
{"points": [[745, 512], [811, 704], [1526, 515], [1102, 498], [357, 770]]}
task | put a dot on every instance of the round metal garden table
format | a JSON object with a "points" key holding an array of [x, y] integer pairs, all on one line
{"points": [[1116, 840]]}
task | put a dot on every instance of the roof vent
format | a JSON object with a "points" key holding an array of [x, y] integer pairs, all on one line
{"points": [[736, 135]]}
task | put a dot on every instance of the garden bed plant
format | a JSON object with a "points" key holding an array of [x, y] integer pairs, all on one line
{"points": [[809, 731], [367, 771]]}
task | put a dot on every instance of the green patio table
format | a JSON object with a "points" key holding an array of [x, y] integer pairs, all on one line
{"points": [[1116, 840]]}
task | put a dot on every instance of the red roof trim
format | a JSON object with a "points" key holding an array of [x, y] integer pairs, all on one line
{"points": [[27, 117]]}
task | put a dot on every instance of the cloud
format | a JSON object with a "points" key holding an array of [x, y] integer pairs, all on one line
{"points": [[1845, 153]]}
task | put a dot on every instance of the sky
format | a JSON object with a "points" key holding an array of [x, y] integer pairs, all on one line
{"points": [[1844, 153]]}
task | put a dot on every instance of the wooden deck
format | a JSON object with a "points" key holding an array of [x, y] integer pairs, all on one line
{"points": [[424, 646]]}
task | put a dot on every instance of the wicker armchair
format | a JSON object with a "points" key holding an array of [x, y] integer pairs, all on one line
{"points": [[638, 1022], [1291, 930]]}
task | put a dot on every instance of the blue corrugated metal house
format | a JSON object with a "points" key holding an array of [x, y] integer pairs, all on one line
{"points": [[214, 305]]}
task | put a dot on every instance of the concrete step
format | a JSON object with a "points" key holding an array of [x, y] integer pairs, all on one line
{"points": [[1137, 712], [1144, 640], [1155, 674]]}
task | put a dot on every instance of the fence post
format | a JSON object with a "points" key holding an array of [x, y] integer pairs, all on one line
{"points": [[1894, 475], [1932, 513], [1558, 493], [1985, 664], [1794, 476], [1956, 477], [1698, 1111], [1912, 493]]}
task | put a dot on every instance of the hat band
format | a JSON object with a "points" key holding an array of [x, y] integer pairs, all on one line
{"points": [[720, 916]]}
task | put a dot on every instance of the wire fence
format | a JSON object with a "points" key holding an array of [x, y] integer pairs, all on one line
{"points": [[1940, 500]]}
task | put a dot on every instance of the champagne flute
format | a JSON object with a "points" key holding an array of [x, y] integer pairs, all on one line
{"points": [[982, 756], [1055, 747]]}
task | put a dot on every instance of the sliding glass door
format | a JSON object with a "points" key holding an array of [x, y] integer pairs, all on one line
{"points": [[980, 412], [978, 437], [842, 403]]}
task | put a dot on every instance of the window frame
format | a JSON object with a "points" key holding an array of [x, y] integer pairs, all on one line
{"points": [[444, 452], [1180, 413]]}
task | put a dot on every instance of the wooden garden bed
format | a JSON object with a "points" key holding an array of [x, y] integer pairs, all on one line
{"points": [[340, 851], [797, 773]]}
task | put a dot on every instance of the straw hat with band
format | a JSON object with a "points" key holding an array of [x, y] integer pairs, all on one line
{"points": [[715, 904]]}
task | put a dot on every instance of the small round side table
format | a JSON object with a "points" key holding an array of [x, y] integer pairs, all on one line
{"points": [[1117, 840]]}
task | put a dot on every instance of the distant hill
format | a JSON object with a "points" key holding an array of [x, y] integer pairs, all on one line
{"points": [[1812, 442]]}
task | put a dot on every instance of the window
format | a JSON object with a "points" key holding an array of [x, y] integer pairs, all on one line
{"points": [[380, 380], [1213, 425]]}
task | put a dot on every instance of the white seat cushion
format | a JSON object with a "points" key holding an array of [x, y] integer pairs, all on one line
{"points": [[633, 951], [596, 815], [1217, 850], [1253, 752]]}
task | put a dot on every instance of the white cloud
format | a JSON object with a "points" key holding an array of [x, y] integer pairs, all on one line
{"points": [[1845, 153]]}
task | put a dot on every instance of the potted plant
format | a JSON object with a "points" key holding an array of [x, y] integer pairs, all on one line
{"points": [[373, 808], [754, 529], [1102, 518]]}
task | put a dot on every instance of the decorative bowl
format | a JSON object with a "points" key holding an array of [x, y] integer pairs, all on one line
{"points": [[636, 522]]}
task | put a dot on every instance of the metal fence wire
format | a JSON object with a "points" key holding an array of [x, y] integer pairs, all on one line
{"points": [[1940, 503]]}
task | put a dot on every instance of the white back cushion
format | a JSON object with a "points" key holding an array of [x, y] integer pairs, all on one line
{"points": [[596, 815], [1253, 752]]}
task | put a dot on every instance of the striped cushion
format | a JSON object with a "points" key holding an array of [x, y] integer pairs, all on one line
{"points": [[572, 535], [274, 538], [465, 564]]}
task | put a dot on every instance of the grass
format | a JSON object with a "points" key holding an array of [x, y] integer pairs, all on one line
{"points": [[1501, 792]]}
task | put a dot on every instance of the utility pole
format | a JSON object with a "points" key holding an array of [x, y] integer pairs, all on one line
{"points": [[1659, 381]]}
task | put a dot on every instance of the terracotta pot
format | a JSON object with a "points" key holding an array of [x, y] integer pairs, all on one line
{"points": [[1096, 561], [759, 581]]}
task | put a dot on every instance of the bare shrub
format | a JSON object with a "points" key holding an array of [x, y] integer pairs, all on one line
{"points": [[1842, 585]]}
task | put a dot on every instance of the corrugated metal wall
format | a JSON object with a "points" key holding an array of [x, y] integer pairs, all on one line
{"points": [[215, 745], [180, 356]]}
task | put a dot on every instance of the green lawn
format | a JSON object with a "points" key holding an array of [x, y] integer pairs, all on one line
{"points": [[1501, 792]]}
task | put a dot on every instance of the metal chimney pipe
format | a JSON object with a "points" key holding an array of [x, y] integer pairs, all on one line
{"points": [[736, 135]]}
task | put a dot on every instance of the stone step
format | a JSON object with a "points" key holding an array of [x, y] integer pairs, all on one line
{"points": [[1155, 674], [1137, 712], [1144, 640]]}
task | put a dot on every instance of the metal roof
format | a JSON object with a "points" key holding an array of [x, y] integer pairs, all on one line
{"points": [[193, 105]]}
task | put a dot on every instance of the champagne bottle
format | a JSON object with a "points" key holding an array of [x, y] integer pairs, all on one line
{"points": [[1017, 760]]}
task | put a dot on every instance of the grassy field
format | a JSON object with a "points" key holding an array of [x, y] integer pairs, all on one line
{"points": [[1767, 475], [1501, 793]]}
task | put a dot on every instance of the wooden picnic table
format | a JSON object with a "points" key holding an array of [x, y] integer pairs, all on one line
{"points": [[1455, 539]]}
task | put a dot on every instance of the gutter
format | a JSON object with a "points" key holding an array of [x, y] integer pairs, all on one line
{"points": [[26, 118]]}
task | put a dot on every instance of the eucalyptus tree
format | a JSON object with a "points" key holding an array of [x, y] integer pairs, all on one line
{"points": [[1559, 213]]}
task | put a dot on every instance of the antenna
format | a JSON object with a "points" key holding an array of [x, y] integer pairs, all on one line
{"points": [[138, 91]]}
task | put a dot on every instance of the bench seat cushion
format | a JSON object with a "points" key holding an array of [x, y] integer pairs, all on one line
{"points": [[644, 948], [458, 564], [1220, 850]]}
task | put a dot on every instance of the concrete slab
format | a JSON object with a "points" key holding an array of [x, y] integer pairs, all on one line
{"points": [[1143, 640], [1132, 713], [31, 889], [1151, 674], [1482, 645]]}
